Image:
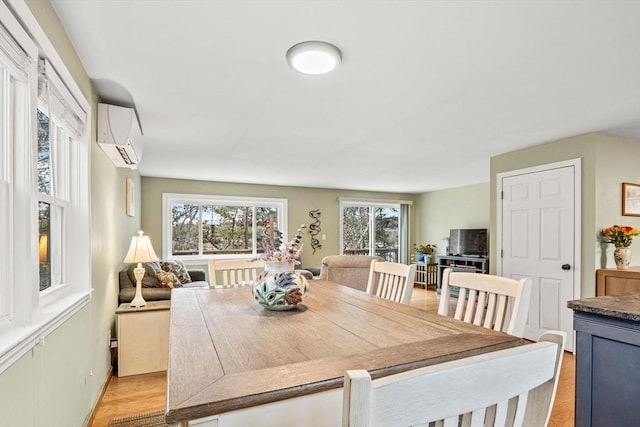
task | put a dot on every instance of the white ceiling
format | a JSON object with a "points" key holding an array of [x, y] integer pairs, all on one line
{"points": [[427, 92]]}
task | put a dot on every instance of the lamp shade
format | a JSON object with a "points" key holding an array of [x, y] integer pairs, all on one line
{"points": [[43, 249], [140, 250]]}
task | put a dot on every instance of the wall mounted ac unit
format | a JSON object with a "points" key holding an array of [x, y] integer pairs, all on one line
{"points": [[118, 135]]}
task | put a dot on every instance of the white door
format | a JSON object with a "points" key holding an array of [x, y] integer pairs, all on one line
{"points": [[539, 226]]}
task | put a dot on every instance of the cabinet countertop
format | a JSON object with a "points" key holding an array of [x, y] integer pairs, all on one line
{"points": [[150, 306], [625, 307]]}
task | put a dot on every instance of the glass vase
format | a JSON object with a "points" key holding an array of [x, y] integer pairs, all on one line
{"points": [[280, 287]]}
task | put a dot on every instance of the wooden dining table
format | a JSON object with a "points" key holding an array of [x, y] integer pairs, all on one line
{"points": [[234, 363]]}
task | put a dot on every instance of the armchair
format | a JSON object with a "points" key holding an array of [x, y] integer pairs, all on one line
{"points": [[348, 270]]}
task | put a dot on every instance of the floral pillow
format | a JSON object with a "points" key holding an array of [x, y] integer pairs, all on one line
{"points": [[167, 279], [177, 268]]}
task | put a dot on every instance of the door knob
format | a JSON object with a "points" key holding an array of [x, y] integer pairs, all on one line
{"points": [[566, 267]]}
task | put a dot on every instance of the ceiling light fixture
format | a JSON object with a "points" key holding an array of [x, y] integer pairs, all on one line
{"points": [[314, 57]]}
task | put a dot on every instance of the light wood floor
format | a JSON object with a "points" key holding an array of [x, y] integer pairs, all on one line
{"points": [[144, 393]]}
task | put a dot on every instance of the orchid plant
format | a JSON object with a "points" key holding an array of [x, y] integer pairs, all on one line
{"points": [[277, 250]]}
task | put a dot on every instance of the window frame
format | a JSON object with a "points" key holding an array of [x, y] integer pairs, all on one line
{"points": [[35, 314], [14, 90], [169, 199], [372, 205], [60, 147]]}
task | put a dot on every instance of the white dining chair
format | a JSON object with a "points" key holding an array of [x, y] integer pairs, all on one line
{"points": [[512, 387], [392, 281], [494, 302], [234, 272]]}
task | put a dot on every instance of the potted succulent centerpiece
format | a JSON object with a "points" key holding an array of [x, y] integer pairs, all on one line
{"points": [[279, 286], [621, 237]]}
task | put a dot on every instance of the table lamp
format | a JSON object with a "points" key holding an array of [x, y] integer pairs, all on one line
{"points": [[43, 249], [140, 251]]}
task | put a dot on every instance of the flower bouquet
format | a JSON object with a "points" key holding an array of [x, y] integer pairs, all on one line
{"points": [[277, 250], [423, 251], [619, 235]]}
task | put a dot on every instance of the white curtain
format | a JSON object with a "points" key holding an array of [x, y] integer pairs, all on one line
{"points": [[403, 244]]}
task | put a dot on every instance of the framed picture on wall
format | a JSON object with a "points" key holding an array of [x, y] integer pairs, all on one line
{"points": [[630, 199], [130, 203]]}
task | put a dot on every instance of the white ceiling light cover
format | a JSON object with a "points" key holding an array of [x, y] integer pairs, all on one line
{"points": [[314, 57]]}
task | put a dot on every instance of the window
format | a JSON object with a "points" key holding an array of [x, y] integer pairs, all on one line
{"points": [[53, 190], [44, 188], [197, 227], [17, 80], [14, 97], [373, 228]]}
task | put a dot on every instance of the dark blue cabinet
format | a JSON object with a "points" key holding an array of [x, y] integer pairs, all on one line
{"points": [[607, 362]]}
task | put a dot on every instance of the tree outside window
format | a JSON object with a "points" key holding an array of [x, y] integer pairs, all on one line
{"points": [[206, 228], [369, 229]]}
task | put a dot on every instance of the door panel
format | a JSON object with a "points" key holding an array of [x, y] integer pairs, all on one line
{"points": [[550, 291], [537, 238]]}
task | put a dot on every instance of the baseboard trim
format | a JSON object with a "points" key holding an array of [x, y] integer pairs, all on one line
{"points": [[98, 401]]}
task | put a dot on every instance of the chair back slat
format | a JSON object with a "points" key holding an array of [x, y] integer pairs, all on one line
{"points": [[415, 397], [462, 297], [234, 272], [392, 281], [494, 302], [239, 277], [501, 312], [491, 310], [501, 411], [468, 315], [479, 318]]}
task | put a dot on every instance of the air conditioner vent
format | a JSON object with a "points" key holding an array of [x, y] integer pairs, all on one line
{"points": [[118, 135]]}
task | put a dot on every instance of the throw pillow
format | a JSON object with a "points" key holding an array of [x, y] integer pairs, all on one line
{"points": [[177, 267], [150, 280], [167, 279]]}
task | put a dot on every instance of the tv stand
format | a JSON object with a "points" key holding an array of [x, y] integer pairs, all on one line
{"points": [[469, 264]]}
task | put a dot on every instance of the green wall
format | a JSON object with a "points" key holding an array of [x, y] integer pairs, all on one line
{"points": [[607, 161], [300, 201], [57, 383], [440, 211], [618, 161]]}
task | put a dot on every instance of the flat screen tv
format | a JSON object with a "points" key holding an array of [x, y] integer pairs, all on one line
{"points": [[469, 242]]}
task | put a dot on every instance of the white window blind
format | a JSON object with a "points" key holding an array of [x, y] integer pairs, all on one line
{"points": [[59, 102], [14, 55]]}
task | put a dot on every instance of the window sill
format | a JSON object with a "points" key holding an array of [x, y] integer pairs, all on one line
{"points": [[15, 341]]}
